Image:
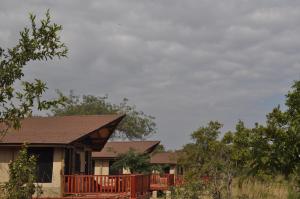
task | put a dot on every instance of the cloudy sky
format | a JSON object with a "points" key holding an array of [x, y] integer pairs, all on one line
{"points": [[183, 61]]}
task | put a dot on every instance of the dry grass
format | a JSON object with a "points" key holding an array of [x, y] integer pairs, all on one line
{"points": [[260, 190]]}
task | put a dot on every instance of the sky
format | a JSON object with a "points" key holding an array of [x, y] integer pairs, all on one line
{"points": [[186, 62]]}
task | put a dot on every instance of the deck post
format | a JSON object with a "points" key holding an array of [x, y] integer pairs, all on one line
{"points": [[133, 194], [168, 194], [154, 194], [62, 185]]}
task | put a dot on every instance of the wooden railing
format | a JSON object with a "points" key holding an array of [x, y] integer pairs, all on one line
{"points": [[162, 182], [140, 185], [133, 185], [179, 180]]}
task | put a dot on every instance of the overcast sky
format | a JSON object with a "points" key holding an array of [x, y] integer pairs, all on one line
{"points": [[183, 61]]}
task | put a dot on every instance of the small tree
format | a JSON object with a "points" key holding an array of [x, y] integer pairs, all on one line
{"points": [[22, 177], [134, 161], [207, 163]]}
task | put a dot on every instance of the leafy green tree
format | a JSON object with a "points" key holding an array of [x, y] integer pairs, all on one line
{"points": [[276, 146], [134, 161], [22, 177], [159, 148], [136, 124], [39, 42], [207, 164], [240, 146]]}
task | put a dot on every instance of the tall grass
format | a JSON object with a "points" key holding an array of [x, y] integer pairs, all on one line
{"points": [[261, 190], [253, 189]]}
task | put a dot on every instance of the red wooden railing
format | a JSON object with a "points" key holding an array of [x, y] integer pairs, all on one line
{"points": [[161, 182], [133, 185], [140, 185], [178, 180]]}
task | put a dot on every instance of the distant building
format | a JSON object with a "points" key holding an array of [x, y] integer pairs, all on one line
{"points": [[104, 159], [168, 161]]}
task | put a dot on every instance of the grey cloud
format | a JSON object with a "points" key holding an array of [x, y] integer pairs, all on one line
{"points": [[185, 62]]}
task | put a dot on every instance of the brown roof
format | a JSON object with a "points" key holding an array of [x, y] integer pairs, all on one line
{"points": [[113, 149], [164, 158], [58, 130]]}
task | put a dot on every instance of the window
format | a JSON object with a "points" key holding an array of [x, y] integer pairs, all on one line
{"points": [[44, 157], [68, 161], [179, 170]]}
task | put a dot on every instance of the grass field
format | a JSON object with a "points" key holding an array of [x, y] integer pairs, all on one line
{"points": [[277, 189]]}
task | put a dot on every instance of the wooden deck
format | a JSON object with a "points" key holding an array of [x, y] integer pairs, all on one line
{"points": [[94, 196], [161, 182], [115, 186], [104, 186]]}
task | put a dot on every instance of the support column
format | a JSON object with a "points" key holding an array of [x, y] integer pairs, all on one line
{"points": [[133, 194], [168, 194], [154, 194]]}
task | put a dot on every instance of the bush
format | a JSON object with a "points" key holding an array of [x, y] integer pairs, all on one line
{"points": [[22, 177]]}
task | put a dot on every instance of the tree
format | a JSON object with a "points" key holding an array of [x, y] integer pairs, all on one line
{"points": [[267, 151], [39, 42], [159, 148], [240, 146], [134, 161], [207, 164], [278, 143], [136, 124], [22, 177]]}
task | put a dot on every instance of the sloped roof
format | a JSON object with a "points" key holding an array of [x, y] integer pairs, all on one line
{"points": [[164, 158], [57, 130], [113, 149]]}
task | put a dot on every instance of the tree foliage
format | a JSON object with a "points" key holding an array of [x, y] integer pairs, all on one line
{"points": [[272, 149], [263, 152], [207, 163], [136, 124], [134, 161], [22, 177], [39, 42]]}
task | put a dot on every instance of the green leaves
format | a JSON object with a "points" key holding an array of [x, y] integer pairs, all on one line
{"points": [[262, 152], [206, 157], [39, 42], [136, 124], [22, 177], [134, 161]]}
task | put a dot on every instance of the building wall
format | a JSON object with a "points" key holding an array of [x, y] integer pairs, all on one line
{"points": [[126, 171], [6, 155], [49, 189], [101, 167], [173, 170]]}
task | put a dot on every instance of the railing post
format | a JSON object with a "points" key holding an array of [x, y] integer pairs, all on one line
{"points": [[63, 185], [133, 194]]}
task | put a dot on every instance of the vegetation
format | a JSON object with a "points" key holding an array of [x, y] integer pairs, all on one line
{"points": [[136, 124], [39, 42], [207, 164], [134, 161], [215, 167], [22, 177]]}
